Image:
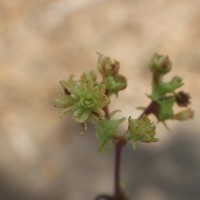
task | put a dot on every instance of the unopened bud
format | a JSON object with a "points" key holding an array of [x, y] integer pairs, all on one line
{"points": [[106, 66], [160, 64], [182, 98]]}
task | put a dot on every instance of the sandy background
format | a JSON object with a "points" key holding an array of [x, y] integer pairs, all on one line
{"points": [[43, 41]]}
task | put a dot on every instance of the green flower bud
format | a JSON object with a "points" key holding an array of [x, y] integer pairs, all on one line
{"points": [[142, 130], [184, 115], [81, 115], [160, 64]]}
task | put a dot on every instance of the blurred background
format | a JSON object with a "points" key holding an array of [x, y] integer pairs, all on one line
{"points": [[45, 158]]}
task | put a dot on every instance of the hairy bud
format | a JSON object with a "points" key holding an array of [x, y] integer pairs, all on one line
{"points": [[142, 130]]}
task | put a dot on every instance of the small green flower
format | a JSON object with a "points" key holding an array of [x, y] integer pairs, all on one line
{"points": [[85, 98], [141, 130]]}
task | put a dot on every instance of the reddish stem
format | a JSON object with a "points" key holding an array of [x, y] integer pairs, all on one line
{"points": [[150, 109], [118, 193], [106, 111]]}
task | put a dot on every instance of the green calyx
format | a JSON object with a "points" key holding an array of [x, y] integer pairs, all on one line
{"points": [[141, 130]]}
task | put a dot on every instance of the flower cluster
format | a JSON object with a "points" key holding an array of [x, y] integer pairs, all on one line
{"points": [[88, 99]]}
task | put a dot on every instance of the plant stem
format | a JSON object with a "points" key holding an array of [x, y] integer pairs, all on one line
{"points": [[107, 114], [118, 193], [150, 109]]}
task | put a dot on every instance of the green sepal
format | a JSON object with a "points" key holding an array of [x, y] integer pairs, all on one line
{"points": [[88, 76], [106, 129], [69, 85], [115, 83], [81, 115], [159, 90], [62, 101], [165, 125], [165, 108], [114, 112]]}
